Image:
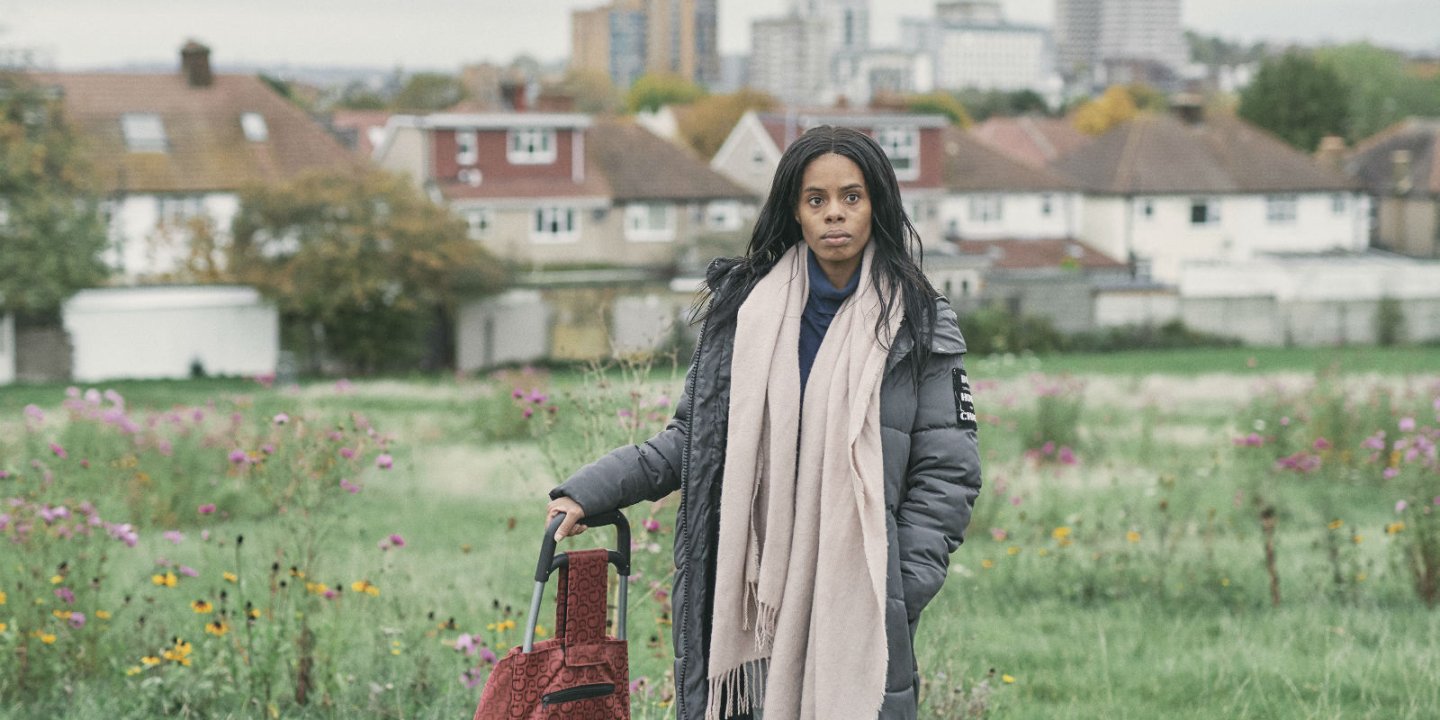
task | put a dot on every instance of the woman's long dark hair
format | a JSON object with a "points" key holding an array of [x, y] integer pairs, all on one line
{"points": [[898, 252]]}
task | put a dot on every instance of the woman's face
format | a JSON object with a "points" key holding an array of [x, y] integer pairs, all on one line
{"points": [[834, 215]]}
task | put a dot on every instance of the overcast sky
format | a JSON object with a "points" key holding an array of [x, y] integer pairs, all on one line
{"points": [[77, 34]]}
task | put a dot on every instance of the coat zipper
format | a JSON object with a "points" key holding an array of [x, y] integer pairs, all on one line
{"points": [[681, 523]]}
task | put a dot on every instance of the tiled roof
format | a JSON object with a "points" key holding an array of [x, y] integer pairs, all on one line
{"points": [[640, 165], [1157, 153], [1034, 140], [973, 166], [1039, 254], [206, 147], [353, 127], [623, 162], [785, 127], [1372, 162]]}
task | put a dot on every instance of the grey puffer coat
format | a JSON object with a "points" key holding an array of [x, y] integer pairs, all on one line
{"points": [[932, 477]]}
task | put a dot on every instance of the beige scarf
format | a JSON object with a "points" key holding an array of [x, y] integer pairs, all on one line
{"points": [[799, 616]]}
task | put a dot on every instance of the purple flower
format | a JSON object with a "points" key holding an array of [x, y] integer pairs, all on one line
{"points": [[187, 571], [268, 448], [65, 595], [281, 419], [651, 524], [471, 678], [206, 509], [165, 448], [384, 461], [466, 644], [348, 486], [77, 620], [35, 413], [1048, 447], [396, 540], [347, 453], [538, 397], [527, 412], [174, 536], [1390, 473], [1400, 506], [1067, 456], [59, 451], [1407, 424], [1374, 442], [1321, 443], [238, 457], [488, 655], [517, 393]]}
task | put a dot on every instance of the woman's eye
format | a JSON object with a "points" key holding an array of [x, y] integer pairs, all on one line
{"points": [[852, 198], [814, 202]]}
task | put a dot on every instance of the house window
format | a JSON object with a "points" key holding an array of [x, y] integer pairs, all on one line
{"points": [[1147, 208], [1280, 209], [1337, 203], [986, 208], [466, 149], [556, 225], [650, 222], [902, 144], [144, 132], [1046, 205], [1204, 211], [253, 123], [178, 210], [479, 221], [723, 215], [531, 146]]}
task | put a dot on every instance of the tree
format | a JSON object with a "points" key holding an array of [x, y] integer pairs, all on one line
{"points": [[708, 121], [51, 233], [983, 104], [940, 103], [364, 258], [1384, 88], [1298, 99], [1115, 106], [429, 92], [652, 90]]}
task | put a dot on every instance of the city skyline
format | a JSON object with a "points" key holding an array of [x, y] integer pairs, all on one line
{"points": [[376, 33]]}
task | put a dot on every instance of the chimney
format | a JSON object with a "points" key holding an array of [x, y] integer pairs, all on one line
{"points": [[513, 93], [1400, 171], [1189, 107], [1331, 151], [195, 65]]}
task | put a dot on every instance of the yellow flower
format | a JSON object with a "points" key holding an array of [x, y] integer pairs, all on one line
{"points": [[47, 638], [540, 631], [4, 627], [102, 614], [1060, 533], [1395, 528], [231, 577], [217, 628], [297, 573], [62, 614], [56, 579], [150, 661], [317, 588], [366, 587], [3, 598], [1132, 537], [254, 613], [1012, 550], [1357, 538], [133, 670], [987, 563], [1336, 524], [167, 580], [395, 647], [1225, 582], [201, 607], [1007, 679], [180, 653]]}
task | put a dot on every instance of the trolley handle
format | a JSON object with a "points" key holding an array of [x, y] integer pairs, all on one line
{"points": [[620, 557]]}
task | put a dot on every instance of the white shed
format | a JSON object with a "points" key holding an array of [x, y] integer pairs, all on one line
{"points": [[171, 332]]}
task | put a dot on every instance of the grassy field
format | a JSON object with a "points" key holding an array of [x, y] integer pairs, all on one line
{"points": [[1117, 566]]}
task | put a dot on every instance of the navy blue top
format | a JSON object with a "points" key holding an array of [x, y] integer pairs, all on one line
{"points": [[820, 308]]}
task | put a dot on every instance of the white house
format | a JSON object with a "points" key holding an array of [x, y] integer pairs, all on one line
{"points": [[990, 196], [1161, 191], [169, 151], [171, 332]]}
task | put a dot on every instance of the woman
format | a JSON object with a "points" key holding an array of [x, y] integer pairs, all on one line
{"points": [[824, 449]]}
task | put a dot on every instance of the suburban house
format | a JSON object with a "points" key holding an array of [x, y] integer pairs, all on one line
{"points": [[990, 196], [170, 153], [595, 217], [1034, 140], [1400, 169], [914, 143], [1162, 190]]}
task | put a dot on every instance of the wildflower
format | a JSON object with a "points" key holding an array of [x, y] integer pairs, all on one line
{"points": [[253, 613], [1357, 538], [167, 580], [206, 509], [1390, 473], [1007, 679], [1067, 456], [56, 579], [316, 588], [188, 571], [540, 630], [1407, 424], [1013, 550], [1336, 524], [365, 586], [987, 563], [517, 393], [34, 412], [174, 536], [296, 572], [230, 577], [1060, 533], [466, 644], [1321, 444], [1374, 442], [149, 661], [238, 457], [179, 653], [281, 419], [348, 486], [47, 638], [202, 607], [999, 534], [527, 413], [1132, 537], [488, 655], [471, 678], [217, 628], [1400, 506], [3, 597], [396, 540], [395, 646], [65, 595], [1395, 528], [102, 614], [651, 525], [76, 620], [384, 461], [133, 670], [59, 451], [347, 453]]}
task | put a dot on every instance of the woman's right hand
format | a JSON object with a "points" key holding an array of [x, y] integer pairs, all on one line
{"points": [[573, 514]]}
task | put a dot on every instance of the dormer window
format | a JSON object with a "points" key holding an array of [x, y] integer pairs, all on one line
{"points": [[531, 146], [144, 132], [467, 149], [902, 145], [253, 123]]}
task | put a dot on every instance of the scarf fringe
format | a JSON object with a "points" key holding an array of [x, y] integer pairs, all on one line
{"points": [[737, 691], [765, 626]]}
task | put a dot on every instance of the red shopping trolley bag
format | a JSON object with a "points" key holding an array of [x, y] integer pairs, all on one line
{"points": [[580, 673]]}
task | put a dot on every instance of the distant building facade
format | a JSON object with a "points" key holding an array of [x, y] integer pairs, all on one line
{"points": [[790, 59], [972, 46], [630, 38], [1100, 42], [1400, 170]]}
